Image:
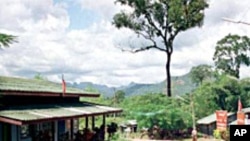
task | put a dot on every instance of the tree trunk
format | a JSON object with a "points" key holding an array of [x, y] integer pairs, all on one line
{"points": [[168, 76]]}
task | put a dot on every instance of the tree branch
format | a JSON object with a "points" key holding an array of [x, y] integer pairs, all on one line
{"points": [[148, 37], [150, 20], [143, 49]]}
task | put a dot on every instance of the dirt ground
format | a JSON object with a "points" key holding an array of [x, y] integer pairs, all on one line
{"points": [[200, 139]]}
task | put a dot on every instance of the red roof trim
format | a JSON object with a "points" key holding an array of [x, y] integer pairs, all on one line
{"points": [[50, 94], [11, 121]]}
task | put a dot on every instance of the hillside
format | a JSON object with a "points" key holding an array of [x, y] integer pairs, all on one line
{"points": [[180, 85]]}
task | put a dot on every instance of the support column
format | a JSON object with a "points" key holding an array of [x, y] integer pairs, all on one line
{"points": [[93, 122], [55, 128], [87, 122], [71, 129], [104, 124]]}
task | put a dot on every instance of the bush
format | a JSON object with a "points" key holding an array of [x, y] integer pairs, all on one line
{"points": [[221, 134], [217, 134]]}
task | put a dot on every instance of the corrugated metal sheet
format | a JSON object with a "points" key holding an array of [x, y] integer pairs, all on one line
{"points": [[40, 112], [210, 119], [33, 85]]}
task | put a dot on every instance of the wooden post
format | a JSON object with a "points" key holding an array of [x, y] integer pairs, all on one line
{"points": [[93, 122], [104, 124], [71, 129], [194, 132], [55, 128], [87, 122]]}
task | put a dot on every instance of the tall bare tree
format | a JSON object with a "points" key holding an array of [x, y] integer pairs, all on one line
{"points": [[159, 22]]}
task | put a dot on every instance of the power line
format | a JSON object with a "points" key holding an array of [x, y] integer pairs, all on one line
{"points": [[237, 22]]}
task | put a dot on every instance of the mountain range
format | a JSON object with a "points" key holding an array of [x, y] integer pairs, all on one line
{"points": [[180, 85]]}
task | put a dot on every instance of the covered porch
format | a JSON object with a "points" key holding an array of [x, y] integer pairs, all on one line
{"points": [[51, 122]]}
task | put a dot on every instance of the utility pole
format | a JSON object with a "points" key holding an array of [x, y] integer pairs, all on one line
{"points": [[194, 132], [191, 102]]}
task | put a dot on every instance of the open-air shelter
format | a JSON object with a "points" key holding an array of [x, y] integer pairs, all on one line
{"points": [[31, 107]]}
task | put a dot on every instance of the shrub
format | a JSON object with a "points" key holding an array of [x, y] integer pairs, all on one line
{"points": [[217, 134], [221, 134]]}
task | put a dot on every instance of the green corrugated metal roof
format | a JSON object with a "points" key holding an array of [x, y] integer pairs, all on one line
{"points": [[210, 119], [246, 110], [33, 85], [42, 112]]}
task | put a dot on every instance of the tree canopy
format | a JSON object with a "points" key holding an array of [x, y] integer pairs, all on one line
{"points": [[231, 52], [221, 94], [159, 22], [156, 109], [200, 73]]}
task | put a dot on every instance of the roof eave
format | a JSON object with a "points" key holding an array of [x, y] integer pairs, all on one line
{"points": [[25, 122], [46, 94]]}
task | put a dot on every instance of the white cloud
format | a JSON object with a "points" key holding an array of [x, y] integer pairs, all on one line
{"points": [[104, 8], [47, 45]]}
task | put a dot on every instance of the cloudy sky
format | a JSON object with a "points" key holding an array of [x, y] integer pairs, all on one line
{"points": [[76, 38]]}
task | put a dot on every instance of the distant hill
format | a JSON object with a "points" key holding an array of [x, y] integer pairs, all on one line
{"points": [[103, 89], [180, 85]]}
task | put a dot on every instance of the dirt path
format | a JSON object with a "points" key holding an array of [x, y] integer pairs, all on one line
{"points": [[200, 139]]}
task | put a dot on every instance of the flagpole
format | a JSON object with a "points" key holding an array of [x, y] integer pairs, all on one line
{"points": [[240, 114], [239, 104], [63, 86]]}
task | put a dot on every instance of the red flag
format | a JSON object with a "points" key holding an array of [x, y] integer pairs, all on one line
{"points": [[63, 86], [239, 105]]}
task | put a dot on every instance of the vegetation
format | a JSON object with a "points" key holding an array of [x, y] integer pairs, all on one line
{"points": [[160, 21], [156, 109], [6, 40], [221, 92], [231, 52], [221, 135], [39, 76], [200, 73]]}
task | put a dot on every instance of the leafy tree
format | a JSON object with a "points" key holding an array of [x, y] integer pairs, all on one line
{"points": [[231, 52], [201, 73], [245, 91], [39, 76], [222, 94], [6, 40], [119, 96], [157, 109], [159, 22]]}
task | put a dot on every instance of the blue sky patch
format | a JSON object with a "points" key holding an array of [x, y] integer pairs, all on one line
{"points": [[80, 18]]}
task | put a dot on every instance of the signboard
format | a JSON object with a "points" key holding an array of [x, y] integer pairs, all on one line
{"points": [[221, 120], [240, 118]]}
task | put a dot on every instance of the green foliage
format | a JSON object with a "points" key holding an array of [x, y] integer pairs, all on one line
{"points": [[221, 135], [231, 52], [151, 109], [200, 73], [222, 94], [160, 21], [217, 134], [204, 98], [6, 40], [39, 76], [118, 97], [90, 88], [115, 137]]}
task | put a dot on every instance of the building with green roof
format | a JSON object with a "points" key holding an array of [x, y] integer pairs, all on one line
{"points": [[34, 110]]}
